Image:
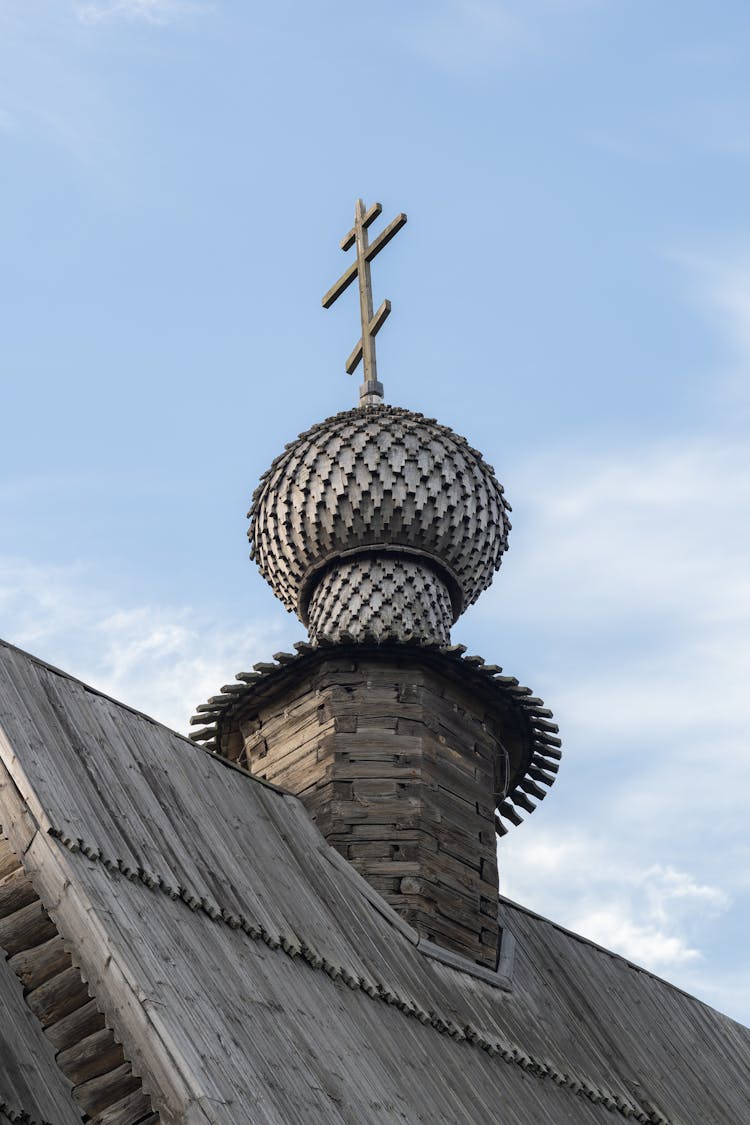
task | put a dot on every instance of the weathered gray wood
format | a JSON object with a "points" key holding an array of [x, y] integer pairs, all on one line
{"points": [[496, 979], [73, 1028], [27, 927], [56, 994], [133, 1108], [36, 965], [364, 350], [97, 1094], [96, 1054], [9, 861], [44, 968], [372, 213], [355, 759], [58, 997], [30, 1082], [15, 891]]}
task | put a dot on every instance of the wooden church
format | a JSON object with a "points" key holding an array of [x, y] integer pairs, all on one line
{"points": [[293, 916]]}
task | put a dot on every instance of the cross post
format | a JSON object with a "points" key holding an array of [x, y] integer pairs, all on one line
{"points": [[371, 391]]}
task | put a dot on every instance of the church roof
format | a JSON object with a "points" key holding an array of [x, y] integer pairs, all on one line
{"points": [[252, 975]]}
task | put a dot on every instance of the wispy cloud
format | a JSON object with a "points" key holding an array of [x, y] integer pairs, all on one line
{"points": [[160, 659], [653, 915], [632, 538], [143, 11]]}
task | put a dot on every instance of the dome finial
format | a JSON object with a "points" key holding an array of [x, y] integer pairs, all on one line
{"points": [[371, 391]]}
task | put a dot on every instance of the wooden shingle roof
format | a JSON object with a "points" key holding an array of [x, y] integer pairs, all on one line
{"points": [[251, 975]]}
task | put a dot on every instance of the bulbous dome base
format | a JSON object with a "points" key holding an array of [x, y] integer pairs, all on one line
{"points": [[386, 597]]}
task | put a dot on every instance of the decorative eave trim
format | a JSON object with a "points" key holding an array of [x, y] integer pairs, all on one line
{"points": [[537, 773]]}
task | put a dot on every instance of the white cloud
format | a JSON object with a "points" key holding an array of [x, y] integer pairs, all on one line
{"points": [[649, 529], [645, 945], [653, 915], [637, 569], [144, 11], [162, 660]]}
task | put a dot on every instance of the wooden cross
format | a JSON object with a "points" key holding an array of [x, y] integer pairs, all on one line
{"points": [[371, 390]]}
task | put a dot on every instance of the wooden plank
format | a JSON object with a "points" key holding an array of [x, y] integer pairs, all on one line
{"points": [[58, 997], [133, 1107], [91, 1057], [15, 891], [76, 1026], [36, 965], [28, 927], [97, 1094]]}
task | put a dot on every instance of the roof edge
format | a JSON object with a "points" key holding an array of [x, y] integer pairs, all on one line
{"points": [[518, 906], [188, 741]]}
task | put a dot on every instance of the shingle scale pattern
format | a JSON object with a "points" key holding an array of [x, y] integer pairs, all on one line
{"points": [[375, 599], [378, 478]]}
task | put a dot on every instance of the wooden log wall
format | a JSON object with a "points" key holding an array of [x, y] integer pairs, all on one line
{"points": [[103, 1083], [401, 767]]}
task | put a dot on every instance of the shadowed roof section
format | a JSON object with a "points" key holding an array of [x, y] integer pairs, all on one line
{"points": [[251, 974], [30, 1082]]}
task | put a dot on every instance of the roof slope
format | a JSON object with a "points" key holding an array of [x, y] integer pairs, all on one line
{"points": [[252, 975]]}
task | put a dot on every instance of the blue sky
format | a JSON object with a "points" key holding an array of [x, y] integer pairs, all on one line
{"points": [[572, 292]]}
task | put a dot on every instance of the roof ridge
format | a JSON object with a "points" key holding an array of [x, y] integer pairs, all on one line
{"points": [[87, 687], [505, 901]]}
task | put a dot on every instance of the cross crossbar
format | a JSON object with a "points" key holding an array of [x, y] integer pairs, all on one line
{"points": [[370, 216], [376, 324], [373, 250]]}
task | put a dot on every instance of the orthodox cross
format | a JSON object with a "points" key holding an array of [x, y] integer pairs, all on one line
{"points": [[371, 390]]}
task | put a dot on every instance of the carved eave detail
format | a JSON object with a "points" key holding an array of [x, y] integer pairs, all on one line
{"points": [[537, 761]]}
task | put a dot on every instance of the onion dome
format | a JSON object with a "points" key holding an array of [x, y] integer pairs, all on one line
{"points": [[379, 524]]}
